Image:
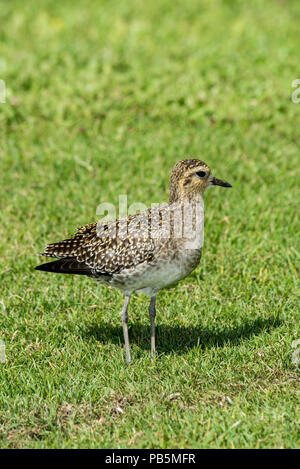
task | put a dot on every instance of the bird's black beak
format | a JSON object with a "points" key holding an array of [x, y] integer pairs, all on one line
{"points": [[219, 182]]}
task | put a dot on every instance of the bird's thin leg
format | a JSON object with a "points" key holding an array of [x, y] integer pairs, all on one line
{"points": [[124, 317], [152, 313]]}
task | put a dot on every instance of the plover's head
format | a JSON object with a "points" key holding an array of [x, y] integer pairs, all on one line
{"points": [[191, 177]]}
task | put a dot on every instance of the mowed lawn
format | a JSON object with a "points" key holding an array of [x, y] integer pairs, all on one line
{"points": [[102, 99]]}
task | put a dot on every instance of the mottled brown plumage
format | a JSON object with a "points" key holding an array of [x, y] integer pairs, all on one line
{"points": [[143, 252]]}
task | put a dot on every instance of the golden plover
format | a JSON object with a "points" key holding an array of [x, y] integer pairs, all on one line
{"points": [[144, 252]]}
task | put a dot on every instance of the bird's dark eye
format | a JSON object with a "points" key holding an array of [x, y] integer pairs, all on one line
{"points": [[201, 174]]}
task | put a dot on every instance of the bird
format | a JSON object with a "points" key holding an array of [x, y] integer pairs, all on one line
{"points": [[144, 252]]}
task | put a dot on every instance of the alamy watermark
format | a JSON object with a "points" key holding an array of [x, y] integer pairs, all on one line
{"points": [[296, 93], [2, 352], [296, 352], [180, 220], [2, 91]]}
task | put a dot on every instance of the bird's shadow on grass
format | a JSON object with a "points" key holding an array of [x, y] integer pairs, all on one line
{"points": [[178, 338]]}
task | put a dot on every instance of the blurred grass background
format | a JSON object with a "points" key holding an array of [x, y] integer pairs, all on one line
{"points": [[103, 97]]}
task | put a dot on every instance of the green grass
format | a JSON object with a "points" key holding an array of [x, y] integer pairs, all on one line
{"points": [[102, 99]]}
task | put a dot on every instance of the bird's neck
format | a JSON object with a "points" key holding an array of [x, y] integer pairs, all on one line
{"points": [[189, 198], [187, 219]]}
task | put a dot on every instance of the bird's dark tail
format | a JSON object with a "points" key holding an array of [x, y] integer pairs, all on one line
{"points": [[68, 265]]}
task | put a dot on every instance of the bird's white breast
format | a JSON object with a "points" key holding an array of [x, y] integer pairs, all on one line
{"points": [[150, 278]]}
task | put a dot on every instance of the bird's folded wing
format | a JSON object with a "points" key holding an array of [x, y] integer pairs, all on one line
{"points": [[107, 248]]}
